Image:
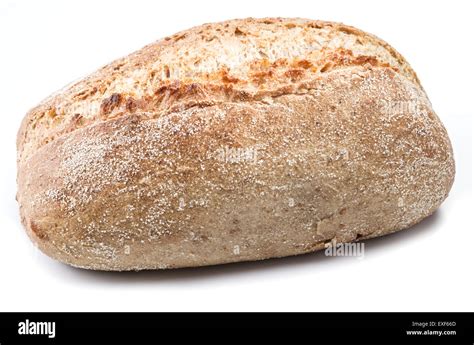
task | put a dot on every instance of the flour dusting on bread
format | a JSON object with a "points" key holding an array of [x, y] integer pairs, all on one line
{"points": [[232, 141]]}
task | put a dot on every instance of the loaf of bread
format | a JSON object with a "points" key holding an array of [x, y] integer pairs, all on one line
{"points": [[234, 141]]}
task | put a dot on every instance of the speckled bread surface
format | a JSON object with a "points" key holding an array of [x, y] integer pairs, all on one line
{"points": [[235, 141]]}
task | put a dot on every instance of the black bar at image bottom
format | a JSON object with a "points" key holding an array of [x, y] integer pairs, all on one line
{"points": [[236, 328]]}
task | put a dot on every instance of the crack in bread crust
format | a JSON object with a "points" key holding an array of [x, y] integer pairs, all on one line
{"points": [[195, 67]]}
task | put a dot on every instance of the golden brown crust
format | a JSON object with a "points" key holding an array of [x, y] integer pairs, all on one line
{"points": [[220, 62]]}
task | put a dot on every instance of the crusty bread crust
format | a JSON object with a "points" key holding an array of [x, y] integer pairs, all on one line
{"points": [[233, 141], [233, 60]]}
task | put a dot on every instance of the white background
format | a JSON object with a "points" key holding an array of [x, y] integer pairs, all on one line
{"points": [[45, 45]]}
